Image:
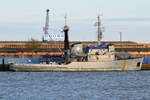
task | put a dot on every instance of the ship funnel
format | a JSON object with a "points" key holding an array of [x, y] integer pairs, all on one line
{"points": [[66, 43]]}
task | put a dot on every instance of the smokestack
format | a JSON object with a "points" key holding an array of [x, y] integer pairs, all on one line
{"points": [[66, 43], [66, 40]]}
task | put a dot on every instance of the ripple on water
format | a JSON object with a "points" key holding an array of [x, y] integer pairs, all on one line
{"points": [[130, 85]]}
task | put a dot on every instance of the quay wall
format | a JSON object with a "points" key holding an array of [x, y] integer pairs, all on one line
{"points": [[18, 49]]}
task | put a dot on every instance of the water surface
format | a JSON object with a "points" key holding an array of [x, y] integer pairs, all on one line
{"points": [[130, 85]]}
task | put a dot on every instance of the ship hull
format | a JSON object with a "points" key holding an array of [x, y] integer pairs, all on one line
{"points": [[116, 65]]}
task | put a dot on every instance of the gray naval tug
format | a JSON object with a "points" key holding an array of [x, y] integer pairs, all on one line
{"points": [[80, 58]]}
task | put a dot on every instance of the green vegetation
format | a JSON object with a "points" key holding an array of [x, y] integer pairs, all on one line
{"points": [[33, 45]]}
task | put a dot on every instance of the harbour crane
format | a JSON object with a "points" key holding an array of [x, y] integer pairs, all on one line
{"points": [[46, 27]]}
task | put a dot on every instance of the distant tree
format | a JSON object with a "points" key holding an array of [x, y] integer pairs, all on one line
{"points": [[33, 45]]}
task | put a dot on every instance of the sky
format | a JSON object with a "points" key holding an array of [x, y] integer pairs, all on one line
{"points": [[21, 20]]}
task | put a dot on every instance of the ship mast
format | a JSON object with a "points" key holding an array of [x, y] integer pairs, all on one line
{"points": [[99, 30]]}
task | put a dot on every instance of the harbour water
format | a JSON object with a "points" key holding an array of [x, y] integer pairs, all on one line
{"points": [[129, 85]]}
